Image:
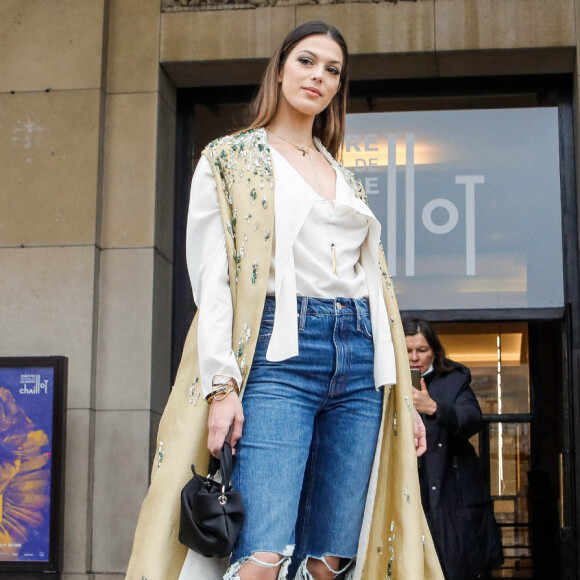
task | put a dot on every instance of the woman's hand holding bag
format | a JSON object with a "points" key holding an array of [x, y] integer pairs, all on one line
{"points": [[212, 513]]}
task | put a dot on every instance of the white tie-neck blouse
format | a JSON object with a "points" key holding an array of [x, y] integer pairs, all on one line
{"points": [[305, 227]]}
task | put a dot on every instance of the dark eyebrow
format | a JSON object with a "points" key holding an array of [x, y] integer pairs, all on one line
{"points": [[316, 56]]}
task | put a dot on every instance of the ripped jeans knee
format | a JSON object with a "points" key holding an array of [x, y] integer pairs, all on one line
{"points": [[283, 562], [343, 573]]}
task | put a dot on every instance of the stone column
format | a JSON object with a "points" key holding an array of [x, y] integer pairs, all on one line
{"points": [[134, 317]]}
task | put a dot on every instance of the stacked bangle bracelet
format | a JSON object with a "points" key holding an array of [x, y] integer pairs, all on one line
{"points": [[221, 391]]}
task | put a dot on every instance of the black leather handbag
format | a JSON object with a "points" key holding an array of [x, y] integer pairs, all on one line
{"points": [[212, 513]]}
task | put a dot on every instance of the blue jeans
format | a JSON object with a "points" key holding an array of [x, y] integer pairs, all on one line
{"points": [[309, 436]]}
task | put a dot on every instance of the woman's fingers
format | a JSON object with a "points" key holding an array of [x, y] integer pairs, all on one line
{"points": [[423, 401], [419, 400], [222, 415], [419, 433], [237, 428]]}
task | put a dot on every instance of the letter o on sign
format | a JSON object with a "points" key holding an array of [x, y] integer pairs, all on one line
{"points": [[452, 216]]}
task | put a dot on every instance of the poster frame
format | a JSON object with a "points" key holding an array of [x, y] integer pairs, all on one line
{"points": [[53, 563]]}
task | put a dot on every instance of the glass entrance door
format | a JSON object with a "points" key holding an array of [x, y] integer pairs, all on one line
{"points": [[520, 442]]}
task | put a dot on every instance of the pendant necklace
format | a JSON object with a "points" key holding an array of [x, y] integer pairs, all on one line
{"points": [[306, 152]]}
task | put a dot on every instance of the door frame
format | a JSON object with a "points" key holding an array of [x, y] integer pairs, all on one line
{"points": [[432, 94]]}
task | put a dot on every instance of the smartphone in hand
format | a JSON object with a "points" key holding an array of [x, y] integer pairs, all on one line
{"points": [[416, 378]]}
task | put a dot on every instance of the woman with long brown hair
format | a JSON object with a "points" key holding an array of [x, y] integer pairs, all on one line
{"points": [[296, 347]]}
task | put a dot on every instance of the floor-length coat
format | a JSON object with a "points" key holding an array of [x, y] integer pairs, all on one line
{"points": [[395, 541]]}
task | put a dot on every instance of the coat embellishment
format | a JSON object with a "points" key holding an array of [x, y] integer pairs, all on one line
{"points": [[160, 455], [244, 339], [254, 270], [243, 160], [391, 552], [194, 393]]}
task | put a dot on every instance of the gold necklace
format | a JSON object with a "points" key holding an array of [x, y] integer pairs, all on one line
{"points": [[306, 151], [303, 150]]}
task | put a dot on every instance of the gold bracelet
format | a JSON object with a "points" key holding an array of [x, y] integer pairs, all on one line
{"points": [[216, 391], [224, 381], [221, 393], [221, 389]]}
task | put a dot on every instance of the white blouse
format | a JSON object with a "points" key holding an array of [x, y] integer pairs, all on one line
{"points": [[302, 264]]}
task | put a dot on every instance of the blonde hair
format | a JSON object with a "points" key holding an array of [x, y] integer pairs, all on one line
{"points": [[329, 125]]}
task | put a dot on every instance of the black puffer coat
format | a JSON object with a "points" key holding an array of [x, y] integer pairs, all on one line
{"points": [[454, 494]]}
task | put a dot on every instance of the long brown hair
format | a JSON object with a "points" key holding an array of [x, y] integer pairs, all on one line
{"points": [[329, 124], [413, 326]]}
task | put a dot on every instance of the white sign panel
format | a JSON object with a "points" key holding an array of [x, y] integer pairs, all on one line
{"points": [[469, 202]]}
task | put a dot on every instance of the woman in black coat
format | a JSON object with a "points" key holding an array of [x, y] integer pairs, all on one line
{"points": [[455, 497]]}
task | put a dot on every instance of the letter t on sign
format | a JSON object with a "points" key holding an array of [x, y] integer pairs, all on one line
{"points": [[469, 181]]}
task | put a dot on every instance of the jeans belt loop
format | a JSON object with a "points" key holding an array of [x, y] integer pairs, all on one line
{"points": [[303, 310]]}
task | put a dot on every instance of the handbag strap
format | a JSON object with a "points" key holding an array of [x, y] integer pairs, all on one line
{"points": [[226, 463], [226, 459]]}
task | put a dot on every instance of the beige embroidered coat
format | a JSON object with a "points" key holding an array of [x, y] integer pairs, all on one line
{"points": [[395, 541]]}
